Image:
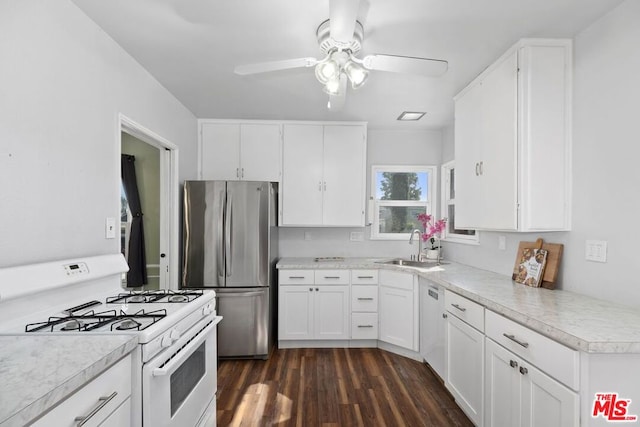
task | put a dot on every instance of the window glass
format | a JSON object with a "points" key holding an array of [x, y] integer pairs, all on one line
{"points": [[400, 193], [452, 233]]}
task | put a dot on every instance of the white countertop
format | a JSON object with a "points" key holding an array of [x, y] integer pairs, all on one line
{"points": [[578, 321], [37, 372]]}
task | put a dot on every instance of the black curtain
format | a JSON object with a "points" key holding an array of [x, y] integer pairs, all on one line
{"points": [[137, 275]]}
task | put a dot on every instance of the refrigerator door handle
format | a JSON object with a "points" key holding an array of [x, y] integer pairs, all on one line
{"points": [[240, 294], [219, 237], [227, 235]]}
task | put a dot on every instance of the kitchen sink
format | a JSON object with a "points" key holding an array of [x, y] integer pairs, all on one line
{"points": [[412, 263]]}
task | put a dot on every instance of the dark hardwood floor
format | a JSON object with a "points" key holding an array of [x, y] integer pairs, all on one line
{"points": [[333, 387]]}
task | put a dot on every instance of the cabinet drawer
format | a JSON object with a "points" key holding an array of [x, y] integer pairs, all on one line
{"points": [[465, 309], [364, 326], [555, 359], [364, 277], [295, 277], [396, 279], [364, 298], [332, 277], [111, 389]]}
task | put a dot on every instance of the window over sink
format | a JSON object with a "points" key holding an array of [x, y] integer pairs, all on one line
{"points": [[399, 194]]}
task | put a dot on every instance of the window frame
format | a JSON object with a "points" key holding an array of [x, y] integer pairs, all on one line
{"points": [[430, 204], [446, 200]]}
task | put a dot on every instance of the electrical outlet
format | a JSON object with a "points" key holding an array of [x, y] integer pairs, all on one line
{"points": [[596, 250], [110, 228], [502, 243], [356, 236]]}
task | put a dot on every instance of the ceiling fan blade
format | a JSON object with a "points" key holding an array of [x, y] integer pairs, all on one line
{"points": [[265, 67], [342, 19], [336, 102], [406, 64]]}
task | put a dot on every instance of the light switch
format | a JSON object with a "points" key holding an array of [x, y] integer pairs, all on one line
{"points": [[596, 250], [307, 235], [110, 228]]}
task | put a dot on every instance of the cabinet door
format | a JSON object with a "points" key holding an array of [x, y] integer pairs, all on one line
{"points": [[331, 312], [397, 317], [260, 152], [468, 140], [302, 175], [502, 386], [498, 161], [344, 175], [464, 359], [220, 151], [295, 312], [546, 402]]}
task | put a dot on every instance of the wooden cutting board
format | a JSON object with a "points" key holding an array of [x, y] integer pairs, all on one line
{"points": [[554, 256]]}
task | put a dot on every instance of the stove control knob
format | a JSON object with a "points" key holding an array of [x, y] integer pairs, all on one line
{"points": [[174, 334], [206, 310], [166, 341]]}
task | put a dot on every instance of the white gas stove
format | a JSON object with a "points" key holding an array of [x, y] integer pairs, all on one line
{"points": [[174, 365]]}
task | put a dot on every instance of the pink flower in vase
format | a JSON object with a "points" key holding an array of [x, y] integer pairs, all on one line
{"points": [[431, 230]]}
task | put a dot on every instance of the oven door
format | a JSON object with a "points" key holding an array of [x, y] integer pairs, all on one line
{"points": [[179, 384]]}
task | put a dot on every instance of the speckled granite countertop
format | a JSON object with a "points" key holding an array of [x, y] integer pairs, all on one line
{"points": [[578, 321], [37, 372]]}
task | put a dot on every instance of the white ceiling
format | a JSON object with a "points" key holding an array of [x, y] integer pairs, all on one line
{"points": [[192, 46]]}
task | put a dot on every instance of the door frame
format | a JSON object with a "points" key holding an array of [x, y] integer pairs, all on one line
{"points": [[169, 190]]}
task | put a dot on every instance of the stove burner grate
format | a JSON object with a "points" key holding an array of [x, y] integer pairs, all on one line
{"points": [[181, 296], [93, 321]]}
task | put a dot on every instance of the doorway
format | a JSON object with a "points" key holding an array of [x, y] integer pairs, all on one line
{"points": [[155, 161]]}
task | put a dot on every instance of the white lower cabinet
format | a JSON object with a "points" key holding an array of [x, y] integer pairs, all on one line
{"points": [[464, 366], [399, 304], [313, 305], [519, 394], [104, 401]]}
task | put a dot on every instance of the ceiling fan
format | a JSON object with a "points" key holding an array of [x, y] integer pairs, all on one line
{"points": [[340, 38]]}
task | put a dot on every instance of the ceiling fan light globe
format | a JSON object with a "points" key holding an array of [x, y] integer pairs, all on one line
{"points": [[326, 71], [332, 87], [356, 73]]}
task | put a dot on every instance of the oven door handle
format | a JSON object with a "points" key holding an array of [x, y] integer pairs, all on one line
{"points": [[185, 351]]}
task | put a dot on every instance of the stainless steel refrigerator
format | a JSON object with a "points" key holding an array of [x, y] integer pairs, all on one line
{"points": [[230, 245]]}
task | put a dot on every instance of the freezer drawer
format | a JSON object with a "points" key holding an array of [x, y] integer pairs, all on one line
{"points": [[245, 329]]}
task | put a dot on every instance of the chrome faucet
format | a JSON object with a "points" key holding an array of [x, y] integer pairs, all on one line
{"points": [[420, 254]]}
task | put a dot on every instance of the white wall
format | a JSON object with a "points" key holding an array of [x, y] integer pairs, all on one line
{"points": [[384, 147], [606, 204], [63, 82]]}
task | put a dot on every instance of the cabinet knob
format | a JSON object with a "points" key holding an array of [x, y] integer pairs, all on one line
{"points": [[513, 363], [310, 289], [444, 315], [523, 370], [317, 289]]}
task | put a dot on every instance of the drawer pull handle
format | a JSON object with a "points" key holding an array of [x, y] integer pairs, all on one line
{"points": [[296, 277], [517, 341], [365, 326], [365, 299], [513, 363], [523, 370], [331, 277], [102, 403], [365, 277], [458, 307]]}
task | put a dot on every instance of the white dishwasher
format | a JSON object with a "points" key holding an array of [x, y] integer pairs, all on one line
{"points": [[432, 325]]}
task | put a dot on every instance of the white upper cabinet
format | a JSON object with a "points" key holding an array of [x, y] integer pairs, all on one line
{"points": [[513, 141], [323, 180], [240, 151]]}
